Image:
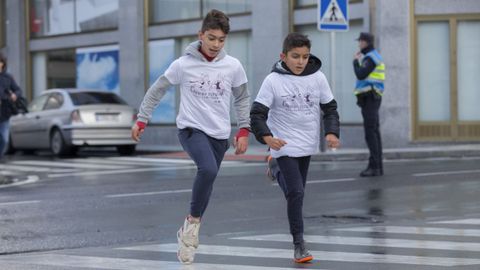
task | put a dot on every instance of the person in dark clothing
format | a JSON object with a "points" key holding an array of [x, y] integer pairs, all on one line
{"points": [[286, 117], [370, 72], [9, 92]]}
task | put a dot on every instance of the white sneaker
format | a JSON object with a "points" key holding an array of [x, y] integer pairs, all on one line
{"points": [[187, 237]]}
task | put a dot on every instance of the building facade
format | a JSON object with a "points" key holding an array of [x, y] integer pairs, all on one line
{"points": [[430, 48]]}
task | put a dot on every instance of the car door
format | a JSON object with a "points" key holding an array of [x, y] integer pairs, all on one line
{"points": [[24, 127], [50, 116]]}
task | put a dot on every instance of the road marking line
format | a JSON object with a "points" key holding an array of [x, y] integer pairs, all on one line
{"points": [[148, 193], [324, 181], [147, 169], [415, 230], [18, 203], [21, 168], [367, 241], [89, 173], [322, 255], [67, 261], [445, 173], [468, 221], [65, 164], [30, 179]]}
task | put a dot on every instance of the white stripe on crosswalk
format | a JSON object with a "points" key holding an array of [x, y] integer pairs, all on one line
{"points": [[445, 173], [17, 203], [22, 168], [65, 164], [415, 230], [324, 181], [149, 169], [148, 193], [164, 160], [322, 255], [468, 221], [366, 241], [68, 261]]}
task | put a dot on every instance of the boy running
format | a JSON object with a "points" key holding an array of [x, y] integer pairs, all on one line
{"points": [[208, 78], [286, 117]]}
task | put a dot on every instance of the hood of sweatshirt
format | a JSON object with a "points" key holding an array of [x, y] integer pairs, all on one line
{"points": [[193, 50], [313, 65]]}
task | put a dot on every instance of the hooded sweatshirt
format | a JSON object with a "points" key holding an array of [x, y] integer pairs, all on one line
{"points": [[292, 103], [206, 88]]}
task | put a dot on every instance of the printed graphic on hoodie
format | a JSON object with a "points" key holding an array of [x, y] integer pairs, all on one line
{"points": [[207, 88]]}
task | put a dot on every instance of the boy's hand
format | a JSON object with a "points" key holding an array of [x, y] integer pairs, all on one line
{"points": [[274, 143], [240, 141], [332, 141], [137, 130]]}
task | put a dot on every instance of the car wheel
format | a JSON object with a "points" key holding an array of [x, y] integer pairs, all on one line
{"points": [[126, 150], [57, 144]]}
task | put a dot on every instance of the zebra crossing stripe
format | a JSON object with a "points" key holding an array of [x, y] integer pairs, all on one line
{"points": [[468, 221], [415, 230], [67, 261], [65, 164], [320, 255], [366, 241]]}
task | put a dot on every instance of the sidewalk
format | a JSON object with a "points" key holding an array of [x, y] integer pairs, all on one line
{"points": [[258, 152]]}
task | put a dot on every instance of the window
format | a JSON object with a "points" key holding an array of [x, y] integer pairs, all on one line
{"points": [[178, 10], [433, 71], [53, 69], [309, 3], [468, 44], [37, 104], [54, 101], [345, 79], [55, 17], [227, 6], [87, 98]]}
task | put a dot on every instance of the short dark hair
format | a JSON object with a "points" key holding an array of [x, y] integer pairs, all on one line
{"points": [[295, 40], [3, 59], [215, 19]]}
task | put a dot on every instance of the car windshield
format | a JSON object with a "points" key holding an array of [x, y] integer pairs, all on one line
{"points": [[86, 98]]}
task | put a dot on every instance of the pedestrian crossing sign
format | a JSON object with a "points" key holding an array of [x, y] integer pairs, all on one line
{"points": [[333, 15]]}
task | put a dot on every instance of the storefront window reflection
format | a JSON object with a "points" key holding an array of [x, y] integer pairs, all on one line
{"points": [[55, 17]]}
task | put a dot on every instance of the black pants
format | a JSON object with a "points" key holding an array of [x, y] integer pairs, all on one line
{"points": [[207, 153], [370, 102], [292, 179]]}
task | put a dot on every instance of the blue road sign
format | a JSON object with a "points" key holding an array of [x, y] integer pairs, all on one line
{"points": [[333, 15]]}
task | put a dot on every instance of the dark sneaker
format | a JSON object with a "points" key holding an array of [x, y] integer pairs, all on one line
{"points": [[272, 167], [301, 254], [369, 172]]}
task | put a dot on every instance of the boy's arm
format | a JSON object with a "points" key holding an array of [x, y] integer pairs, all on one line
{"points": [[15, 88], [242, 104], [258, 121], [331, 118], [152, 98]]}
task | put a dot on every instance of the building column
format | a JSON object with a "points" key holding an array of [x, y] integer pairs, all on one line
{"points": [[393, 31], [271, 23], [132, 43], [17, 42]]}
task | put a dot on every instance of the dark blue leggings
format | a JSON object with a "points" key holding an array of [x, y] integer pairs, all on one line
{"points": [[292, 178], [207, 153]]}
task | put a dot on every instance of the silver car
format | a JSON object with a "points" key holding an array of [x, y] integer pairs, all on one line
{"points": [[63, 120]]}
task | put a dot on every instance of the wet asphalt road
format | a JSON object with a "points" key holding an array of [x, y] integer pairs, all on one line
{"points": [[110, 212]]}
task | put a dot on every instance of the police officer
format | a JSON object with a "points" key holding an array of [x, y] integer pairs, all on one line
{"points": [[370, 72]]}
